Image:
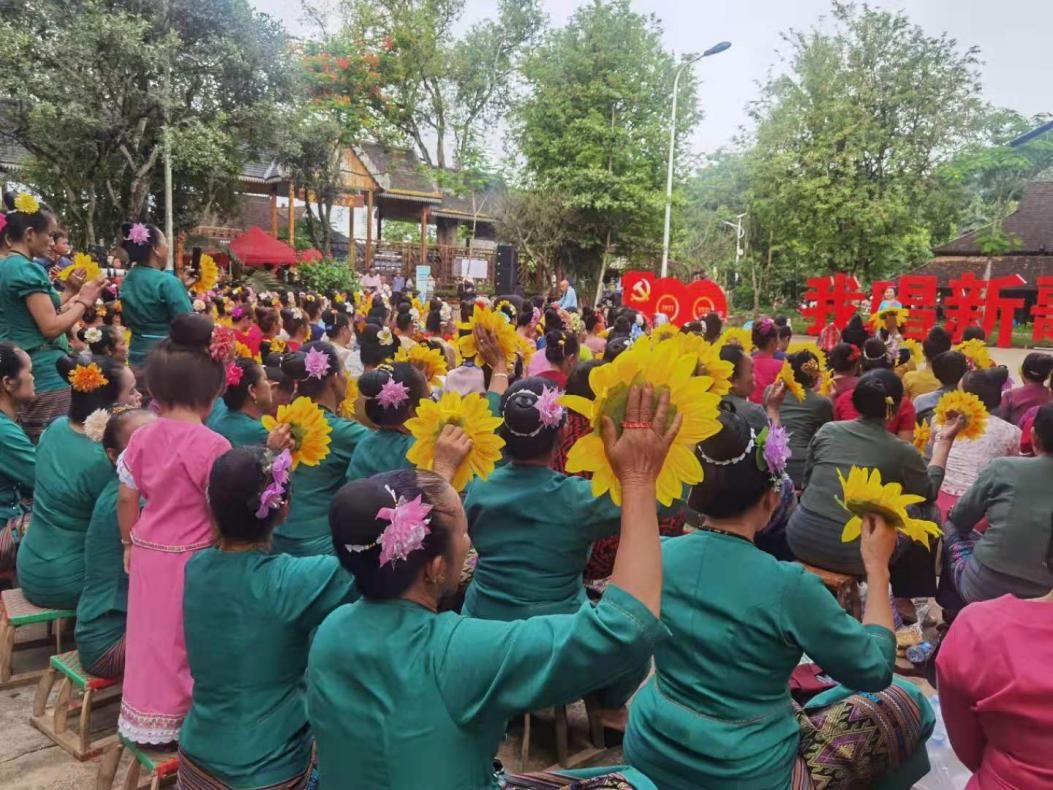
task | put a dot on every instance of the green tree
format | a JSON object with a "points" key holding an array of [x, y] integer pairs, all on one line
{"points": [[849, 140], [444, 91], [91, 83], [595, 131]]}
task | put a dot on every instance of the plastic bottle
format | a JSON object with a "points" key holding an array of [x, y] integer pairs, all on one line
{"points": [[919, 654]]}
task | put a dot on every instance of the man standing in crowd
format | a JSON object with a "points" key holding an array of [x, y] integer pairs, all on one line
{"points": [[569, 299]]}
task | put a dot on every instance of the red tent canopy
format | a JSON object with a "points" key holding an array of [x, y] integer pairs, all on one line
{"points": [[256, 247], [309, 255]]}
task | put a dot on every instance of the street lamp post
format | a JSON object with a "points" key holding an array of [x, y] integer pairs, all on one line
{"points": [[715, 49]]}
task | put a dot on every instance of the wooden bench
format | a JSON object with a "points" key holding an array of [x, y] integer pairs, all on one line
{"points": [[16, 612], [562, 733], [161, 767], [54, 722], [845, 588]]}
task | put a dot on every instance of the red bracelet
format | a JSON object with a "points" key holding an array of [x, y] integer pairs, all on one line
{"points": [[628, 426]]}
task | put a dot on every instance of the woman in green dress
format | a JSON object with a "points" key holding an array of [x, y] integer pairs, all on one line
{"points": [[803, 418], [18, 470], [400, 695], [102, 610], [72, 470], [247, 726], [306, 530], [35, 317], [390, 395], [150, 296], [247, 398], [718, 711]]}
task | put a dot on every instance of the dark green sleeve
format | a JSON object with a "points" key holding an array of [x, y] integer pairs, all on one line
{"points": [[20, 458], [494, 401], [917, 477], [28, 280], [598, 515], [176, 296], [824, 410], [972, 505], [861, 657], [492, 670], [309, 588]]}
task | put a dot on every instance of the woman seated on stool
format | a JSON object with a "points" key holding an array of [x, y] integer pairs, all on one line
{"points": [[718, 712], [1016, 496], [249, 615], [814, 531], [401, 696]]}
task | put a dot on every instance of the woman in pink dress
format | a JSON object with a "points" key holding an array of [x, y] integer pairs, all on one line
{"points": [[167, 463], [765, 366]]}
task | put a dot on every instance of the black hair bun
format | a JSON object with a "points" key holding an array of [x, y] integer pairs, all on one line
{"points": [[371, 382], [65, 365], [294, 365], [191, 330]]}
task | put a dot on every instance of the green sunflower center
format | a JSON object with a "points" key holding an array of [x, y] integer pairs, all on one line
{"points": [[617, 399]]}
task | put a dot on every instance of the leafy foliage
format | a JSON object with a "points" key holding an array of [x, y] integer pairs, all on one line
{"points": [[324, 276]]}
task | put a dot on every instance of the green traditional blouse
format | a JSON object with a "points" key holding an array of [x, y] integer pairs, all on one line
{"points": [[718, 713], [803, 419], [749, 411], [72, 471], [533, 529], [238, 428], [18, 468], [401, 697], [380, 451], [248, 618], [20, 278], [102, 611], [150, 299], [306, 530]]}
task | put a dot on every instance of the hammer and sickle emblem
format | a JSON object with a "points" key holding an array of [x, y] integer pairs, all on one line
{"points": [[642, 291]]}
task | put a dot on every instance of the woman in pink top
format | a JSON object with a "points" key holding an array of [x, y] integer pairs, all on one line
{"points": [[1033, 393], [765, 366], [995, 689], [167, 463]]}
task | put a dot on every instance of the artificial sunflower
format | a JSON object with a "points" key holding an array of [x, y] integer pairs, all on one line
{"points": [[349, 405], [922, 435], [805, 345], [471, 414], [793, 386], [277, 345], [737, 336], [826, 382], [82, 261], [243, 351], [87, 378], [526, 349], [975, 351], [26, 203], [207, 275], [664, 367], [969, 406], [485, 318], [310, 430], [429, 361], [708, 359], [863, 494], [917, 356], [878, 318], [664, 332]]}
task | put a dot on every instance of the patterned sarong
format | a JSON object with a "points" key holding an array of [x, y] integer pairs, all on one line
{"points": [[110, 664], [857, 741], [39, 412], [548, 780], [10, 534], [193, 777]]}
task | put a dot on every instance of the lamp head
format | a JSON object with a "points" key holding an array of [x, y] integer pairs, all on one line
{"points": [[716, 49]]}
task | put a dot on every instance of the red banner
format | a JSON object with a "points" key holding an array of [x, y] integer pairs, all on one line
{"points": [[681, 303]]}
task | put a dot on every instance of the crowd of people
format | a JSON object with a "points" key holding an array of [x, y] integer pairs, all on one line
{"points": [[358, 619]]}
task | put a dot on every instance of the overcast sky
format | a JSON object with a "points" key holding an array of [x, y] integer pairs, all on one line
{"points": [[1013, 35]]}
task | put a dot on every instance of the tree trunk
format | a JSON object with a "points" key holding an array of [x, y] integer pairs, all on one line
{"points": [[603, 268]]}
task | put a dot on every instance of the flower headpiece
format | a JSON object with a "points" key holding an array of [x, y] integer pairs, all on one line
{"points": [[445, 312], [408, 525], [854, 353], [198, 305], [317, 364], [547, 404], [221, 347], [138, 234], [765, 326], [92, 335], [384, 337], [95, 424], [392, 394], [773, 451], [26, 203], [811, 367], [273, 496], [87, 378], [234, 374]]}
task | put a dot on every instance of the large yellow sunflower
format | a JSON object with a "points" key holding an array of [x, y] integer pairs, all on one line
{"points": [[664, 367], [664, 332], [806, 345], [863, 493], [709, 363], [348, 406], [82, 261], [207, 275], [917, 356], [738, 336], [471, 414], [922, 435], [497, 324], [975, 351], [244, 352], [429, 361], [526, 349], [878, 318], [310, 430], [826, 382], [793, 386], [967, 404]]}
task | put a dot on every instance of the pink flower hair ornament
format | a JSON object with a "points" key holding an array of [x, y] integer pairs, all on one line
{"points": [[234, 374], [317, 364], [393, 394], [273, 496], [138, 234], [3, 221], [408, 525], [221, 347], [773, 450], [549, 407]]}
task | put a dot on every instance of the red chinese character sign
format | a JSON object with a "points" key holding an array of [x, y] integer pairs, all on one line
{"points": [[680, 302], [833, 299], [1042, 311]]}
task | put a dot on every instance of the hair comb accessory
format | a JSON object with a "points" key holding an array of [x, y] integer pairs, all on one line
{"points": [[95, 424], [26, 203], [393, 394], [138, 234], [234, 375], [752, 443], [317, 364], [273, 496]]}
